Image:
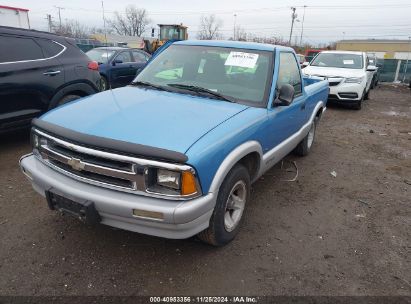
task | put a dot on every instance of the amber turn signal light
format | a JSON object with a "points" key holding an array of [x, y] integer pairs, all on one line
{"points": [[188, 183]]}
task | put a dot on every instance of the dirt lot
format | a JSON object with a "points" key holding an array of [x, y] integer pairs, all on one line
{"points": [[321, 235]]}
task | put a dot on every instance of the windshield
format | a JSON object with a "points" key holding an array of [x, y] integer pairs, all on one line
{"points": [[172, 33], [240, 75], [338, 60], [100, 55]]}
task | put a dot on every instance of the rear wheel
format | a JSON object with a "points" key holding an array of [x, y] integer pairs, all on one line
{"points": [[305, 145], [229, 209], [103, 83]]}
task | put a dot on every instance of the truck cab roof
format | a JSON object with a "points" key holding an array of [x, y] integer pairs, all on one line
{"points": [[235, 44]]}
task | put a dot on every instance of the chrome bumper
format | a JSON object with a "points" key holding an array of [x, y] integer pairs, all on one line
{"points": [[181, 219]]}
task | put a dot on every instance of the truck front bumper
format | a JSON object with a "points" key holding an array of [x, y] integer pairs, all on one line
{"points": [[180, 219]]}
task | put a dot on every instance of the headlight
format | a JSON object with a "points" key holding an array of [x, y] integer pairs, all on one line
{"points": [[173, 183], [354, 80], [169, 179]]}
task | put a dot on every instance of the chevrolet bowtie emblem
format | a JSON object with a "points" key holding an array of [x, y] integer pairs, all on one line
{"points": [[76, 164]]}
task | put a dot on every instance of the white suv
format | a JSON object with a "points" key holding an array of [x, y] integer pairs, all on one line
{"points": [[349, 75]]}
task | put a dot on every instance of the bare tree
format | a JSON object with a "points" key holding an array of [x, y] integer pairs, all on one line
{"points": [[72, 28], [132, 23], [241, 34], [209, 28]]}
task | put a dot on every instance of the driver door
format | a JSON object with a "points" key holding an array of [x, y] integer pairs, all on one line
{"points": [[285, 121]]}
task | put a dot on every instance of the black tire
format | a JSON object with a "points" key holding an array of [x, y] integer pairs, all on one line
{"points": [[304, 147], [358, 104], [103, 83], [217, 234], [367, 95], [67, 99]]}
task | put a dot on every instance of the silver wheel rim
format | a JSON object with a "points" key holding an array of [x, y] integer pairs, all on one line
{"points": [[310, 138], [235, 205], [103, 85]]}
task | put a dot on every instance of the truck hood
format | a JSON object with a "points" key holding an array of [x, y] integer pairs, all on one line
{"points": [[333, 72], [148, 117]]}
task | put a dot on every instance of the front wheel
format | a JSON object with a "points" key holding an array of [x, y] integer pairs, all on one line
{"points": [[358, 104], [229, 209], [305, 145]]}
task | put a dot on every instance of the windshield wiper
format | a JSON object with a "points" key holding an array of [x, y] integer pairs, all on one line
{"points": [[148, 84], [198, 89]]}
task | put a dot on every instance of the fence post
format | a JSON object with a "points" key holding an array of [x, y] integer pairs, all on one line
{"points": [[397, 71]]}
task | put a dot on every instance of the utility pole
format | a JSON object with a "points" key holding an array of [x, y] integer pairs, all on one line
{"points": [[293, 16], [49, 22], [235, 21], [302, 27], [59, 8], [104, 23]]}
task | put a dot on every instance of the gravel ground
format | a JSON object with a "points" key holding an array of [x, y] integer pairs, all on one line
{"points": [[320, 235]]}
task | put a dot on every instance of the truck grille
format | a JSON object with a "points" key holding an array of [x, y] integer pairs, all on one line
{"points": [[89, 164]]}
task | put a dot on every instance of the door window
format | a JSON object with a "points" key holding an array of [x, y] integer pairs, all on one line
{"points": [[49, 47], [19, 49], [139, 57], [289, 72], [124, 56]]}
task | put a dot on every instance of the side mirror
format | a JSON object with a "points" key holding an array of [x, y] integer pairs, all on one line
{"points": [[285, 95], [371, 68], [117, 61], [305, 64]]}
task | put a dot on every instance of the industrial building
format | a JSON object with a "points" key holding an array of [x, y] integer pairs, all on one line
{"points": [[384, 49], [14, 16]]}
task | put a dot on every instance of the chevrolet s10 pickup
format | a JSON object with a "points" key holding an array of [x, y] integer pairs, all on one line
{"points": [[174, 154]]}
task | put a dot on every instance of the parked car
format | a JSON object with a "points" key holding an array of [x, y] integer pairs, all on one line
{"points": [[348, 73], [311, 53], [372, 60], [174, 154], [38, 72], [301, 60], [118, 65]]}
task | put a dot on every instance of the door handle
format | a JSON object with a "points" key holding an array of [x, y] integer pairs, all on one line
{"points": [[303, 106], [51, 73]]}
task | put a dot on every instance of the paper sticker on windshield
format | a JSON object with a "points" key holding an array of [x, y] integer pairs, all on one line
{"points": [[241, 59], [349, 61]]}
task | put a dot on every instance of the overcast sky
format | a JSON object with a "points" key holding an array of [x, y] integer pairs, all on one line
{"points": [[324, 20]]}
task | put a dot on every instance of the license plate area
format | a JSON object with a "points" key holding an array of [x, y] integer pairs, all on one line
{"points": [[84, 211]]}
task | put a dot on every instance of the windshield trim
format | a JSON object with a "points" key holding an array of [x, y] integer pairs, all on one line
{"points": [[269, 81]]}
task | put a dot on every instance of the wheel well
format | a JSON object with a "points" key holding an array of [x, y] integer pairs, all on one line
{"points": [[76, 92], [252, 163], [319, 113]]}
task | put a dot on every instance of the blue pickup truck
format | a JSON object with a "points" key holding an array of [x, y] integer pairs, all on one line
{"points": [[174, 154]]}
